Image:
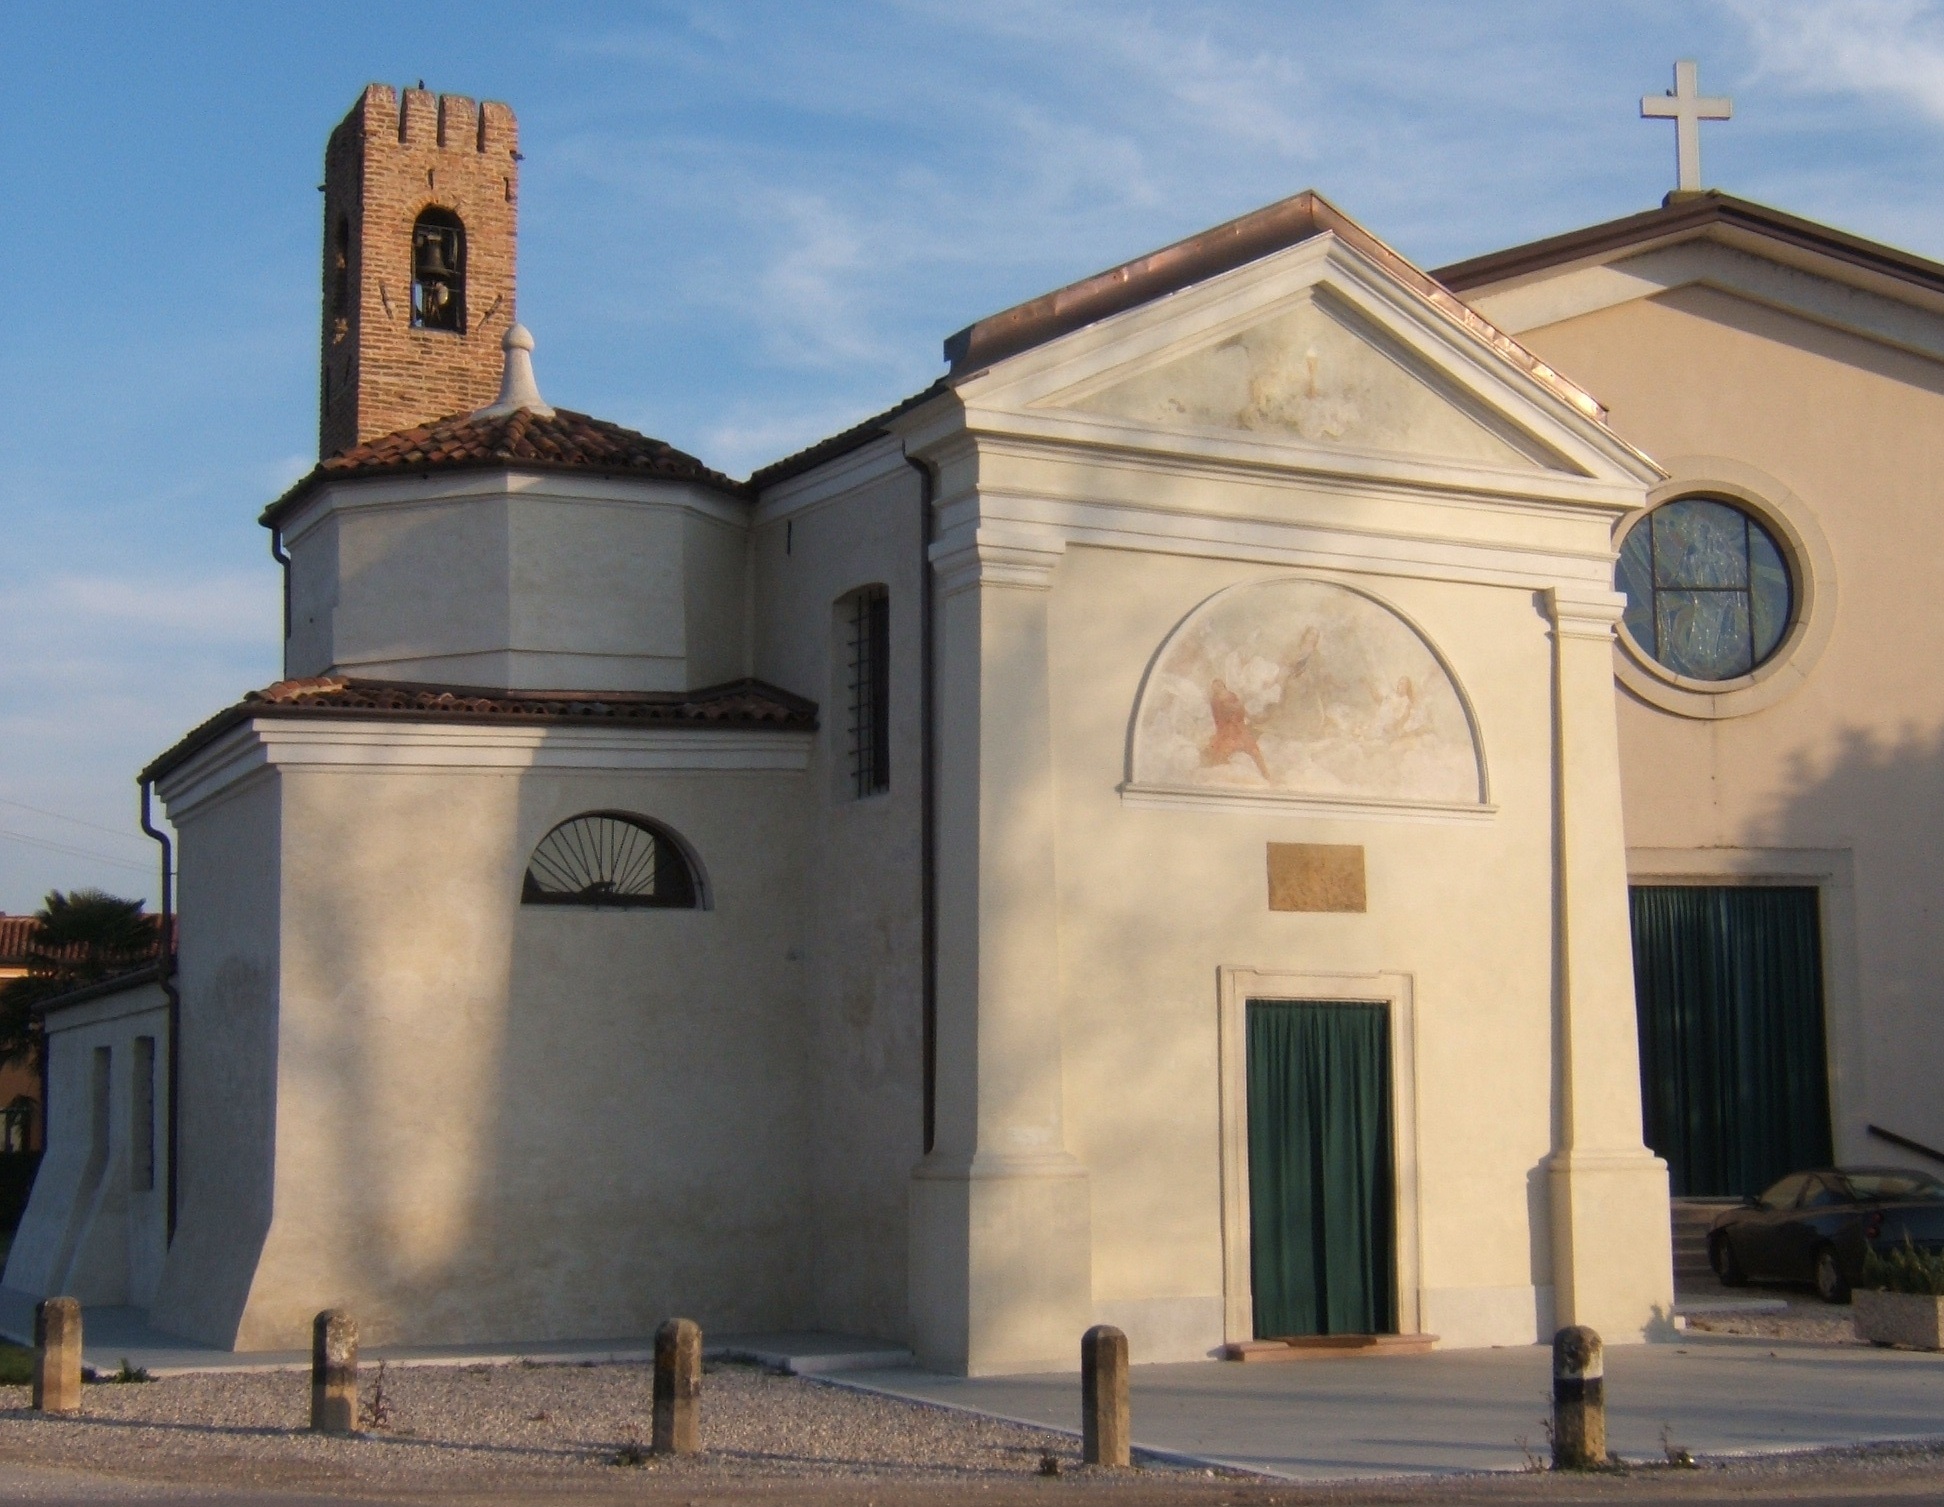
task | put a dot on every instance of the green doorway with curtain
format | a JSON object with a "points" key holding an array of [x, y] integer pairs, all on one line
{"points": [[1734, 1080], [1322, 1200]]}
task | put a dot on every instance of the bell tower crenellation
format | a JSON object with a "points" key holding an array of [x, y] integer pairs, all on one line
{"points": [[421, 207]]}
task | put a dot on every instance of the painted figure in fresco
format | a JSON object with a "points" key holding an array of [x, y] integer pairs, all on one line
{"points": [[1233, 735], [1400, 715]]}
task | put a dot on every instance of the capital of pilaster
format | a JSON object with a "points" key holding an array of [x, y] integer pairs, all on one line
{"points": [[1585, 613], [987, 556]]}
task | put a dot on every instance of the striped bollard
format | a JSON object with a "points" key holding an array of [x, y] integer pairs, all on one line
{"points": [[1579, 1399]]}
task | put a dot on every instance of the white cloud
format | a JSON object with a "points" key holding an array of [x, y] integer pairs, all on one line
{"points": [[1892, 48]]}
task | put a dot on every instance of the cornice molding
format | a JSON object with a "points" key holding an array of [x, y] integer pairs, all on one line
{"points": [[393, 747]]}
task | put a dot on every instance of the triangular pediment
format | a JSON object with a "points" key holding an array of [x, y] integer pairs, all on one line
{"points": [[1327, 357], [1315, 371]]}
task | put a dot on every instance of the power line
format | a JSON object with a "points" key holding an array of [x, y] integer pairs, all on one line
{"points": [[121, 832], [59, 847]]}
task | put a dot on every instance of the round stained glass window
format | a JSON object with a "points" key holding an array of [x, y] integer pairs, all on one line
{"points": [[1709, 595]]}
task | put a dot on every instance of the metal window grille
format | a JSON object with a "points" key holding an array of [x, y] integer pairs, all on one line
{"points": [[870, 691], [607, 858]]}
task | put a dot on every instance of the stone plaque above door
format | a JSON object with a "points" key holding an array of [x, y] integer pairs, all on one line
{"points": [[1316, 876]]}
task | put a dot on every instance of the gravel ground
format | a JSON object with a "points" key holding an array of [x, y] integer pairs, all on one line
{"points": [[478, 1425], [1807, 1316]]}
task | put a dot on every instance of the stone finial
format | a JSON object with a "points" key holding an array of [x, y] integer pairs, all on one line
{"points": [[678, 1387], [334, 1372], [57, 1356], [1105, 1424], [518, 390], [1579, 1399]]}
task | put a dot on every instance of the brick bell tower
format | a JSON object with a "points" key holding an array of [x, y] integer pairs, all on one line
{"points": [[421, 206]]}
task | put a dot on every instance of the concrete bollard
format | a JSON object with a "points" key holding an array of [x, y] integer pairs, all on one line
{"points": [[1103, 1397], [334, 1372], [678, 1387], [1579, 1399], [57, 1356]]}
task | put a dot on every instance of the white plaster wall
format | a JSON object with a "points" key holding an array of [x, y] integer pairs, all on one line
{"points": [[89, 1231], [505, 1123], [230, 905], [1849, 765], [864, 994], [1153, 902], [519, 582]]}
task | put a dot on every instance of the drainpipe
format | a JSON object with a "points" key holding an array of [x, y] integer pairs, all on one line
{"points": [[278, 554], [927, 798], [166, 966]]}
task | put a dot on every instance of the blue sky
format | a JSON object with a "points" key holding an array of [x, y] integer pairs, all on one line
{"points": [[745, 225]]}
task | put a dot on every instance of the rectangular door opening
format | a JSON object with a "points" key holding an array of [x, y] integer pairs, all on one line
{"points": [[1734, 1078], [1322, 1178]]}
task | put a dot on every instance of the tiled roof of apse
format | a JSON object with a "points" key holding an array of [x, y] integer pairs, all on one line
{"points": [[750, 704], [523, 440]]}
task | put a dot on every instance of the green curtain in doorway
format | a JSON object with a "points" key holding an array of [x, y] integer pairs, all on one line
{"points": [[1733, 1077], [1321, 1205]]}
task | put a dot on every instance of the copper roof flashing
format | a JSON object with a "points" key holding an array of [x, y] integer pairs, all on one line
{"points": [[1289, 222]]}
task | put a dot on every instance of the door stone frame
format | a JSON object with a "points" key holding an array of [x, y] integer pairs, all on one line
{"points": [[1831, 872], [1236, 987]]}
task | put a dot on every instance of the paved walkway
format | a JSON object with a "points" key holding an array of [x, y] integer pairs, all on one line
{"points": [[1470, 1409]]}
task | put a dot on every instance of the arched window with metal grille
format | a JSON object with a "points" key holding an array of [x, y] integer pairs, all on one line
{"points": [[610, 859]]}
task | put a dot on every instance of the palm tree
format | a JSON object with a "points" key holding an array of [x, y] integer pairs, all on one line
{"points": [[82, 938]]}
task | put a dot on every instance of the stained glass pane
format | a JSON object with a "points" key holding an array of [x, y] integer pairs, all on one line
{"points": [[1636, 579], [1699, 543], [1769, 589], [1703, 634]]}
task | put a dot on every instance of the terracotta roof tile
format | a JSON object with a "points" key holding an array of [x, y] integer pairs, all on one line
{"points": [[740, 704], [15, 934], [521, 440]]}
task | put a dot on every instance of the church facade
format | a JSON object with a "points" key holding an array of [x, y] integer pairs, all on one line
{"points": [[1160, 828]]}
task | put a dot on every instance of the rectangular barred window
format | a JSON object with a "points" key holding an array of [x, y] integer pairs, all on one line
{"points": [[869, 664], [141, 1117]]}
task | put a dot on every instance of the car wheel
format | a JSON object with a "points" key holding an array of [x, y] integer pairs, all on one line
{"points": [[1831, 1285], [1721, 1256]]}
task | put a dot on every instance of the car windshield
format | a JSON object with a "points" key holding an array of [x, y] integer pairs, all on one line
{"points": [[1878, 1187]]}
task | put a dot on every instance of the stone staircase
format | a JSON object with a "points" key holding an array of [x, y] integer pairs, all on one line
{"points": [[1692, 1217]]}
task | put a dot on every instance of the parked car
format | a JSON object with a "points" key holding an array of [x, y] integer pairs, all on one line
{"points": [[1816, 1227]]}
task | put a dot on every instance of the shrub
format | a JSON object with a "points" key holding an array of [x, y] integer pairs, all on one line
{"points": [[1905, 1269], [16, 1365]]}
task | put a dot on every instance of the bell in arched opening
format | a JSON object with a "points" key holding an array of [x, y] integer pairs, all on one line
{"points": [[439, 271]]}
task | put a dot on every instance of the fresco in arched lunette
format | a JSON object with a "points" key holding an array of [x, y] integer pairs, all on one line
{"points": [[1306, 688]]}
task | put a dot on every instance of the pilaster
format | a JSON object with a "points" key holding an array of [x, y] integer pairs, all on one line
{"points": [[1001, 1246], [1611, 1242]]}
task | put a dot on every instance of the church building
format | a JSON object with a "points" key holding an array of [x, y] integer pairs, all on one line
{"points": [[1285, 794]]}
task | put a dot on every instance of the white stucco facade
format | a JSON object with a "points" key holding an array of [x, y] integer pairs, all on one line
{"points": [[955, 1061]]}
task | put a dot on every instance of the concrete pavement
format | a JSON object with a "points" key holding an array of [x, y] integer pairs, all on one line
{"points": [[1468, 1410]]}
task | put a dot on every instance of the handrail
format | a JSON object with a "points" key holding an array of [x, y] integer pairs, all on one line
{"points": [[1905, 1141]]}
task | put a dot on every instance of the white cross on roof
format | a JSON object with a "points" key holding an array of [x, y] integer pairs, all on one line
{"points": [[1684, 105]]}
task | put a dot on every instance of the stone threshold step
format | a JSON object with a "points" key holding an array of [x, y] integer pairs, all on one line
{"points": [[1329, 1347]]}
